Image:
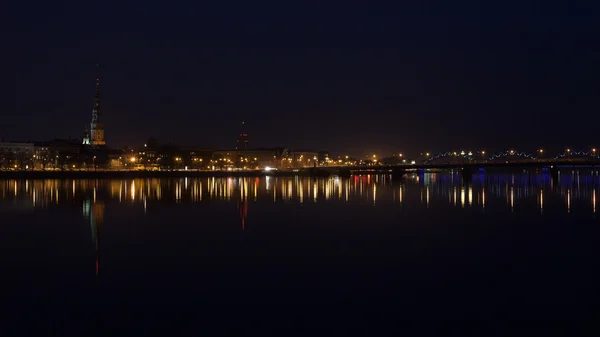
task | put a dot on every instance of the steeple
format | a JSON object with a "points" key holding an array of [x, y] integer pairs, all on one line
{"points": [[97, 111], [96, 126], [242, 141]]}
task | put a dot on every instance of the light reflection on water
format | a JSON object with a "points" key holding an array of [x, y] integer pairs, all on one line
{"points": [[429, 190], [503, 192], [209, 209]]}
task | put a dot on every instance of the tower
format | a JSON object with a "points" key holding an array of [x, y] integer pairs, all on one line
{"points": [[242, 141], [96, 126]]}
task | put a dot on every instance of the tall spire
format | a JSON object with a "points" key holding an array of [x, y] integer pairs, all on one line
{"points": [[96, 126], [97, 111], [242, 141]]}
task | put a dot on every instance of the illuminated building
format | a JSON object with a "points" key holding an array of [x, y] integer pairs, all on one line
{"points": [[298, 158], [96, 135], [16, 155], [247, 158]]}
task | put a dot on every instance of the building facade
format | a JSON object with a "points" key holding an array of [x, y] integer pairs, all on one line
{"points": [[16, 155]]}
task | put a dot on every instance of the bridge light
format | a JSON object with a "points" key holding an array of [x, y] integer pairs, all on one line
{"points": [[482, 152], [470, 153], [462, 153], [568, 150], [541, 150], [512, 152], [400, 155], [593, 150], [427, 154], [455, 153]]}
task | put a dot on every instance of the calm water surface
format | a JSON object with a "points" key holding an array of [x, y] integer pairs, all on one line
{"points": [[288, 255]]}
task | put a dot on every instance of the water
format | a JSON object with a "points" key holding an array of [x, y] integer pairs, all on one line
{"points": [[294, 255]]}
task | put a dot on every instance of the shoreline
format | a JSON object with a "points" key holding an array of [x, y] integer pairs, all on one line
{"points": [[153, 174]]}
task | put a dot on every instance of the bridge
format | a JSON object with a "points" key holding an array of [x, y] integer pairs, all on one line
{"points": [[467, 168], [512, 155]]}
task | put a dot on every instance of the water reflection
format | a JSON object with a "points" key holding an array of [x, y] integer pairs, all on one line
{"points": [[573, 193], [432, 190]]}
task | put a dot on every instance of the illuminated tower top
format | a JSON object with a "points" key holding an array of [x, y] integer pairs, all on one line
{"points": [[97, 111], [242, 141]]}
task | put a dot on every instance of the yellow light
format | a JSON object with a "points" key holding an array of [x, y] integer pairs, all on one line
{"points": [[132, 159], [482, 152], [427, 154], [593, 150], [568, 150], [541, 150], [400, 155]]}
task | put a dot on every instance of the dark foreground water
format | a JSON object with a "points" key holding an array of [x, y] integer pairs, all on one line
{"points": [[294, 255]]}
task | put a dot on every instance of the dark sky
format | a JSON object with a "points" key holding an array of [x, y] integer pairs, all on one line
{"points": [[347, 76]]}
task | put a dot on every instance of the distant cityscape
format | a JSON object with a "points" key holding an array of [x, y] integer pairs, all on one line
{"points": [[92, 152]]}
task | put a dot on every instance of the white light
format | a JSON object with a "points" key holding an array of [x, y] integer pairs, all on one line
{"points": [[268, 168], [186, 168], [413, 162]]}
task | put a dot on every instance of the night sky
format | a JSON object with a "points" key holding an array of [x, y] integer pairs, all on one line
{"points": [[349, 76]]}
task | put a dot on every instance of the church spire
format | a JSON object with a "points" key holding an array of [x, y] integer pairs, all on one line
{"points": [[97, 111], [96, 126], [242, 141]]}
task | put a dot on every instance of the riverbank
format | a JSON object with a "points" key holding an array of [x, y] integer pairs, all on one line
{"points": [[155, 174]]}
